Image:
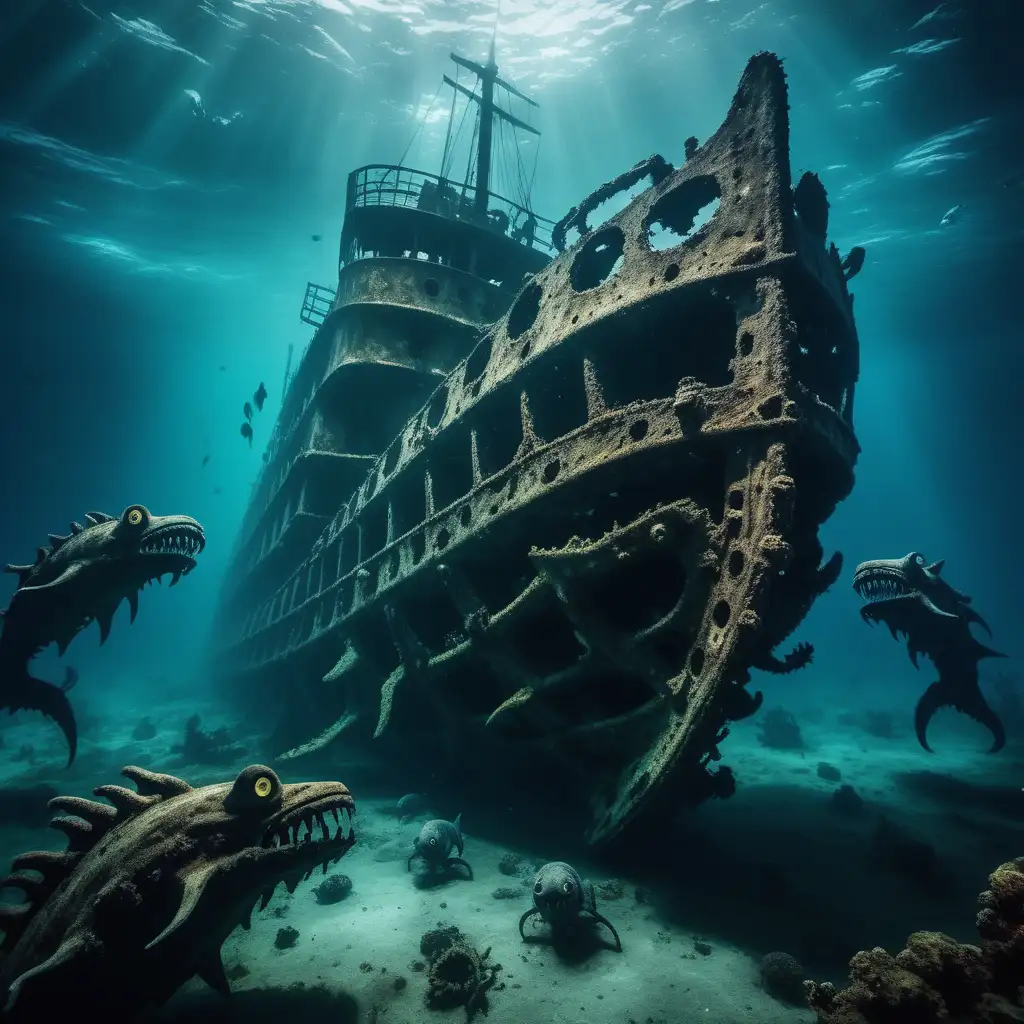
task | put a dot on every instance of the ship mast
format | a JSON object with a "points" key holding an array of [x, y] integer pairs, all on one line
{"points": [[488, 75]]}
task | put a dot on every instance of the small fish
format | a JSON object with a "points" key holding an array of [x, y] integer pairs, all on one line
{"points": [[852, 262], [247, 409], [222, 368], [216, 490], [951, 216], [247, 433], [206, 459], [260, 397], [435, 843], [316, 238]]}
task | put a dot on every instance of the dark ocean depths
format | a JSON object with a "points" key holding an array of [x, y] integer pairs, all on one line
{"points": [[172, 173]]}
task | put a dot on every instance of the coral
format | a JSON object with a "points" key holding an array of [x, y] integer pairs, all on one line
{"points": [[782, 976], [510, 864], [145, 730], [935, 979], [779, 731], [286, 937], [880, 991], [829, 772], [507, 892], [333, 889], [956, 970], [201, 747], [458, 975], [846, 801], [1000, 924], [435, 942]]}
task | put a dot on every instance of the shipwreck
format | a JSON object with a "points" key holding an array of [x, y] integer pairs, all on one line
{"points": [[551, 497]]}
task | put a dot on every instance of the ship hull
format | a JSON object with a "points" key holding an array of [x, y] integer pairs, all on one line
{"points": [[608, 513]]}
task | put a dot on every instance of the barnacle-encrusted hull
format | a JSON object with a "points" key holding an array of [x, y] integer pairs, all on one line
{"points": [[608, 513]]}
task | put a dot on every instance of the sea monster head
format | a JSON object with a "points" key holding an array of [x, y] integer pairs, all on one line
{"points": [[110, 559], [911, 598], [255, 832], [557, 891]]}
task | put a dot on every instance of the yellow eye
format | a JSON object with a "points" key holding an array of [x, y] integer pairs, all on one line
{"points": [[134, 517], [263, 786]]}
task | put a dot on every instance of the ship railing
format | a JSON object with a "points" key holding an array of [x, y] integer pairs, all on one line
{"points": [[316, 304], [394, 185]]}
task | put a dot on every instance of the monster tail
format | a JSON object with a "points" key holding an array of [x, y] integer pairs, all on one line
{"points": [[24, 692], [967, 698]]}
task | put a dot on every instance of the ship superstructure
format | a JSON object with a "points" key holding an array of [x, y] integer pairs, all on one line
{"points": [[424, 263]]}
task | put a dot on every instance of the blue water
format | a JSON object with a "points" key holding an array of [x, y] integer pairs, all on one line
{"points": [[172, 175]]}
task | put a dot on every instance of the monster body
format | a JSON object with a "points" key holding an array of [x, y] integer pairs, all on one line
{"points": [[150, 886], [82, 578], [912, 599], [608, 513]]}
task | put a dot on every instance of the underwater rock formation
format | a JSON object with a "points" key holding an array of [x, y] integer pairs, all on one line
{"points": [[936, 979], [82, 578], [150, 886], [607, 514], [912, 598]]}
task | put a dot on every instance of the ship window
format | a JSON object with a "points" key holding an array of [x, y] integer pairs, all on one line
{"points": [[559, 400], [432, 616], [639, 590], [499, 431], [431, 287], [685, 334], [548, 644], [435, 410], [524, 312], [819, 357], [374, 524], [478, 359], [349, 551], [451, 467], [408, 502], [598, 259], [680, 213]]}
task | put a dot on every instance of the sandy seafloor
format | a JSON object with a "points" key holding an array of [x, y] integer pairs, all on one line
{"points": [[772, 868]]}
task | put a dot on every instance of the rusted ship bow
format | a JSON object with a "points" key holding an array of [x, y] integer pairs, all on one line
{"points": [[607, 514]]}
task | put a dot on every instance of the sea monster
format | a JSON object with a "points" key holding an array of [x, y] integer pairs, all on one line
{"points": [[563, 900], [911, 598], [151, 885], [83, 578]]}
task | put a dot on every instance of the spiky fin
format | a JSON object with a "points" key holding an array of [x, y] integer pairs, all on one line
{"points": [[95, 518], [84, 822]]}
